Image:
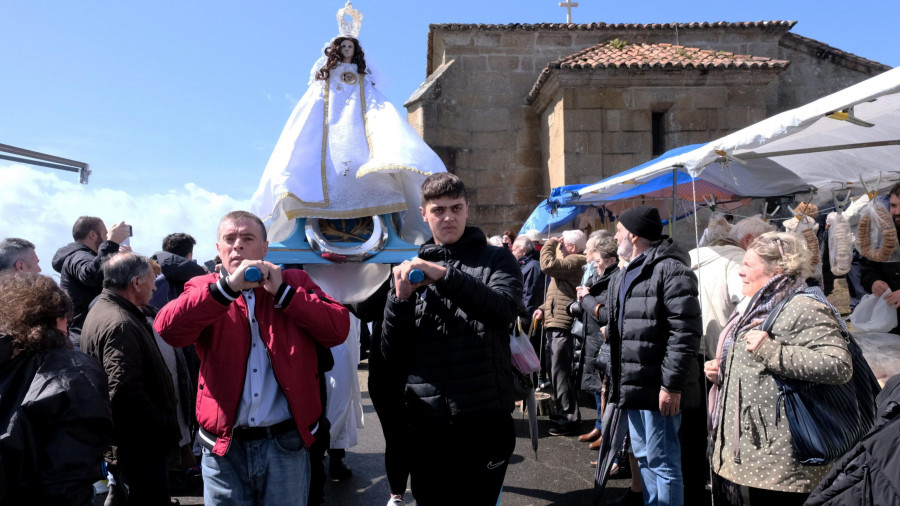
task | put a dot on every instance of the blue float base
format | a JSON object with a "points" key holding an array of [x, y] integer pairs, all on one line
{"points": [[296, 249]]}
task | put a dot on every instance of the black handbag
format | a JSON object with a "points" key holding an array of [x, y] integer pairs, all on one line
{"points": [[826, 420]]}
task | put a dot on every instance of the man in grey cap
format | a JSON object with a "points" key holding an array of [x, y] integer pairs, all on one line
{"points": [[654, 334]]}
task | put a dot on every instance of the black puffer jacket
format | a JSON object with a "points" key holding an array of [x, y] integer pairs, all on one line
{"points": [[80, 275], [453, 336], [657, 342], [55, 423], [141, 392], [868, 474]]}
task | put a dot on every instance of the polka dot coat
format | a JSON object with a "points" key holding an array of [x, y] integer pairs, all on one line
{"points": [[752, 444]]}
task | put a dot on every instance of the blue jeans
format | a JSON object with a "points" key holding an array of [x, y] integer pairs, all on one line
{"points": [[599, 423], [263, 471], [654, 442]]}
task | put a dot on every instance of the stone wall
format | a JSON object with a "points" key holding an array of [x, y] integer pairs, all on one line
{"points": [[471, 109], [607, 115]]}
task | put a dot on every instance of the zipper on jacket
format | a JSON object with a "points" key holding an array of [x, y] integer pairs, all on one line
{"points": [[867, 486]]}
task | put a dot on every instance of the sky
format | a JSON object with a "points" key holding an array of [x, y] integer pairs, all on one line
{"points": [[177, 106]]}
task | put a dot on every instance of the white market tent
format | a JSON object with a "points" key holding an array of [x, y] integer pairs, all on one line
{"points": [[823, 146]]}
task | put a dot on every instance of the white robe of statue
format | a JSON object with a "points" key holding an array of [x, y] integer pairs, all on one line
{"points": [[345, 152], [344, 404]]}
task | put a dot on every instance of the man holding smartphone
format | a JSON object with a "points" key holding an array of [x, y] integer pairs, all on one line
{"points": [[78, 263]]}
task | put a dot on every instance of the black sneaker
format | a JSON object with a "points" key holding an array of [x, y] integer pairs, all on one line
{"points": [[565, 429]]}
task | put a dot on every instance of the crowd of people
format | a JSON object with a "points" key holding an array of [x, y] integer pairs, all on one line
{"points": [[148, 363]]}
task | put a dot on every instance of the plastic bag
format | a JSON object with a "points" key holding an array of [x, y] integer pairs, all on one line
{"points": [[840, 244], [877, 235], [806, 227], [873, 314], [523, 355]]}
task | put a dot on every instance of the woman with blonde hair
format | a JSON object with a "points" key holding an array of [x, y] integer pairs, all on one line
{"points": [[751, 437]]}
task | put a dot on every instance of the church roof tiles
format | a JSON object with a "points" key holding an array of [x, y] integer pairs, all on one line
{"points": [[617, 26], [616, 54]]}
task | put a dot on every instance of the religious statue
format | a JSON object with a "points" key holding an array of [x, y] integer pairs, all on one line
{"points": [[346, 151], [340, 189]]}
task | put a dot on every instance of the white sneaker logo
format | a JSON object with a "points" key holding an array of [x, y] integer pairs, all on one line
{"points": [[491, 465]]}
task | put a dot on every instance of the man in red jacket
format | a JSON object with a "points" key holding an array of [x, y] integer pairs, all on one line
{"points": [[258, 391]]}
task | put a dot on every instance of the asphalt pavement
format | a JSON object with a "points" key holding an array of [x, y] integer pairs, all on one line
{"points": [[560, 473]]}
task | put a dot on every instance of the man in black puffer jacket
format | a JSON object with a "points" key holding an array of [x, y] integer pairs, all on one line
{"points": [[654, 334], [78, 263], [450, 334]]}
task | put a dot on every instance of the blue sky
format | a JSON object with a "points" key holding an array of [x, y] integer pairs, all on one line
{"points": [[156, 95]]}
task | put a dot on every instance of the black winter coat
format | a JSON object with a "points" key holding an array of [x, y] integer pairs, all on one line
{"points": [[657, 342], [592, 311], [80, 275], [141, 392], [452, 337], [176, 270], [55, 423], [868, 474]]}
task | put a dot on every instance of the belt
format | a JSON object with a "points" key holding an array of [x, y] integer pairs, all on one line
{"points": [[268, 432]]}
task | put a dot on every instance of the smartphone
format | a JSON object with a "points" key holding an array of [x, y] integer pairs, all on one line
{"points": [[130, 231]]}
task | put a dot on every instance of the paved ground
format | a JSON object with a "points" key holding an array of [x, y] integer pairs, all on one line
{"points": [[560, 474]]}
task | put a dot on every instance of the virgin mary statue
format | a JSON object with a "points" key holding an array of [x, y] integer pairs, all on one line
{"points": [[346, 151]]}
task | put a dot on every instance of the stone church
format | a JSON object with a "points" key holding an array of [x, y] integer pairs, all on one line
{"points": [[518, 109]]}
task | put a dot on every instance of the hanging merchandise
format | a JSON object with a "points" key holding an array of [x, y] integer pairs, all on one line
{"points": [[876, 237], [804, 224], [840, 243], [717, 229]]}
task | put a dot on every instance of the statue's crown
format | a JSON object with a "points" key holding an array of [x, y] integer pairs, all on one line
{"points": [[349, 27]]}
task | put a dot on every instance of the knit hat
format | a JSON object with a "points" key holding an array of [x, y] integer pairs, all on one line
{"points": [[642, 221]]}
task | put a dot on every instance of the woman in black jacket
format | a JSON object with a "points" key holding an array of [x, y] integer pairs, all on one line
{"points": [[601, 253], [55, 414]]}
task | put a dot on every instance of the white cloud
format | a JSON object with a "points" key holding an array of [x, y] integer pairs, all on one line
{"points": [[41, 206]]}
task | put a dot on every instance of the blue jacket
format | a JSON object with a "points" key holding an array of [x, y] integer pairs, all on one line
{"points": [[535, 283]]}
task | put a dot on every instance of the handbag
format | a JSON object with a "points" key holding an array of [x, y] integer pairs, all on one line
{"points": [[826, 420], [577, 328]]}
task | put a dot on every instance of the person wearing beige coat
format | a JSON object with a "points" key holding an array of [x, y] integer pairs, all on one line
{"points": [[563, 263]]}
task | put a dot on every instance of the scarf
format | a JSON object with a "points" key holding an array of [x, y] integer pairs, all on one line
{"points": [[762, 303]]}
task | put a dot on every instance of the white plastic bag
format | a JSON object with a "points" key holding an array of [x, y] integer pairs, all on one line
{"points": [[840, 244], [523, 356], [873, 314]]}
